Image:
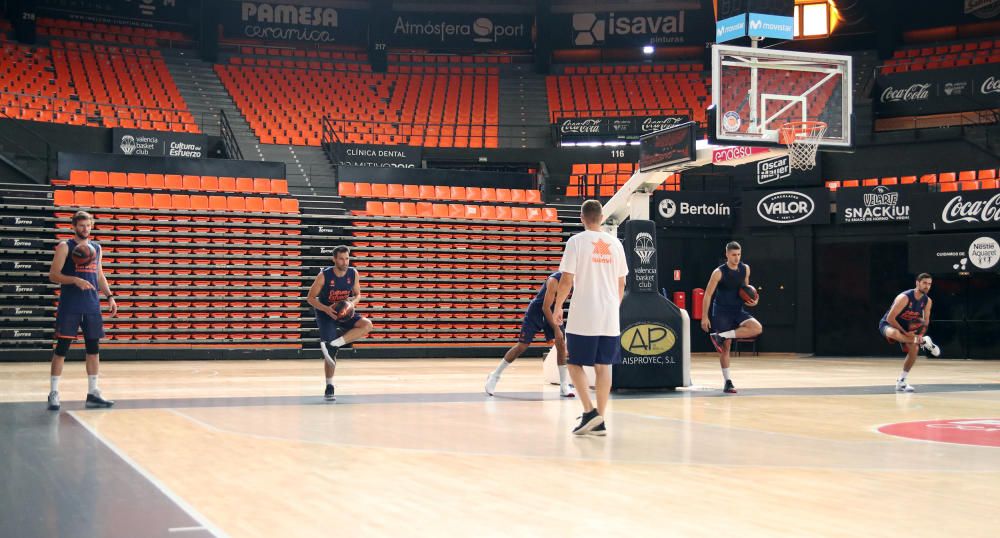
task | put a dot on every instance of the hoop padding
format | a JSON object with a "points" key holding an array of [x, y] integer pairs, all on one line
{"points": [[802, 139]]}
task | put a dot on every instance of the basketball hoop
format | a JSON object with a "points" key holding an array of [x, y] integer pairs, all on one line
{"points": [[802, 139]]}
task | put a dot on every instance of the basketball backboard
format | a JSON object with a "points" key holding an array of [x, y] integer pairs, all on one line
{"points": [[755, 91]]}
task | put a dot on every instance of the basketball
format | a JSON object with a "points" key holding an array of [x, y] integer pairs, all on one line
{"points": [[748, 293], [84, 253], [917, 325], [343, 309]]}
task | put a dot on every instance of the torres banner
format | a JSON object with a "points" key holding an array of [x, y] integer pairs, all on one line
{"points": [[157, 143], [380, 156], [624, 128], [630, 28], [786, 207], [654, 335], [272, 21], [938, 91], [945, 211], [460, 30], [694, 209], [884, 203], [138, 13], [955, 253]]}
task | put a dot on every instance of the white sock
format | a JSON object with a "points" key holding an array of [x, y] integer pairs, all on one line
{"points": [[338, 342], [54, 383], [91, 384], [563, 374], [501, 367], [728, 334], [329, 381], [902, 377], [725, 373]]}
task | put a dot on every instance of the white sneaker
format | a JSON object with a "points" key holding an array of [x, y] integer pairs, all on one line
{"points": [[931, 347], [491, 383], [566, 391], [54, 401], [903, 386]]}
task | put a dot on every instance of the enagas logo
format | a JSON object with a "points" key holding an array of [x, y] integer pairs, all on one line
{"points": [[785, 207], [977, 431]]}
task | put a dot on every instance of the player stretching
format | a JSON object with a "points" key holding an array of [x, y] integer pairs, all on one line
{"points": [[906, 322], [727, 319], [538, 318], [334, 294], [76, 266]]}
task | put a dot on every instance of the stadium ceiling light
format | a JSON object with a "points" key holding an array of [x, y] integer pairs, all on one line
{"points": [[648, 49]]}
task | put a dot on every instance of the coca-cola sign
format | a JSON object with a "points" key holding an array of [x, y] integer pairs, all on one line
{"points": [[914, 92], [955, 211], [938, 91], [990, 85], [619, 128], [587, 126]]}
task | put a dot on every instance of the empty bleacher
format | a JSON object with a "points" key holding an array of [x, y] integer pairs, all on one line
{"points": [[602, 180], [285, 98], [208, 263], [108, 33], [963, 180], [91, 84], [943, 56], [633, 90]]}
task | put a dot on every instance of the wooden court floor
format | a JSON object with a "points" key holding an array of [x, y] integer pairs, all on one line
{"points": [[414, 448]]}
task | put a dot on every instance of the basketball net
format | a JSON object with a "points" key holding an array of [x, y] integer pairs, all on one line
{"points": [[802, 139]]}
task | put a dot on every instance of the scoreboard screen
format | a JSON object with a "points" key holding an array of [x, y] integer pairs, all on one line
{"points": [[672, 145]]}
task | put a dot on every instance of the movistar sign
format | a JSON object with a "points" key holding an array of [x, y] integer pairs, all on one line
{"points": [[731, 28], [774, 26]]}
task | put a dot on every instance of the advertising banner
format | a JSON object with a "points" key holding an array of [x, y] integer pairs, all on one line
{"points": [[786, 207], [379, 156], [270, 21], [655, 352], [158, 143], [955, 253], [461, 30], [629, 128], [693, 209], [884, 203], [946, 211], [937, 91], [631, 28]]}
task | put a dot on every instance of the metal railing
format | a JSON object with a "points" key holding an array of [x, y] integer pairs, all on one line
{"points": [[228, 138], [433, 135]]}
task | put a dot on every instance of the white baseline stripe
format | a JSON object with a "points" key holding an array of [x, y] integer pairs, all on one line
{"points": [[155, 481], [186, 529]]}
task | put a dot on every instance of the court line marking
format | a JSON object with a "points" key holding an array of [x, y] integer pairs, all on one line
{"points": [[186, 529], [184, 505], [582, 438]]}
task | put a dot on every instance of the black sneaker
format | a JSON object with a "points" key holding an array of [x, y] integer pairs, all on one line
{"points": [[717, 341], [599, 431], [94, 400], [328, 394], [331, 353], [729, 388], [588, 421]]}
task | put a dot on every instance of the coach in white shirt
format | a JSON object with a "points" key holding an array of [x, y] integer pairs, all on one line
{"points": [[594, 265]]}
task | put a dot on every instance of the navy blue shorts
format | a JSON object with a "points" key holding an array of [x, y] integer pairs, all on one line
{"points": [[591, 350], [727, 318], [331, 329], [882, 326], [68, 324], [534, 323]]}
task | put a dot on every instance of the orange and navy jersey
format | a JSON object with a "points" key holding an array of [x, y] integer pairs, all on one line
{"points": [[71, 298], [914, 309], [337, 288], [727, 292], [536, 303]]}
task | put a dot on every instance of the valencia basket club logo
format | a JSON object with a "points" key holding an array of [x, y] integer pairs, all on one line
{"points": [[644, 247]]}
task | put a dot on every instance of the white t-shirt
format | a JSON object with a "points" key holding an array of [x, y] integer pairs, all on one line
{"points": [[597, 260]]}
